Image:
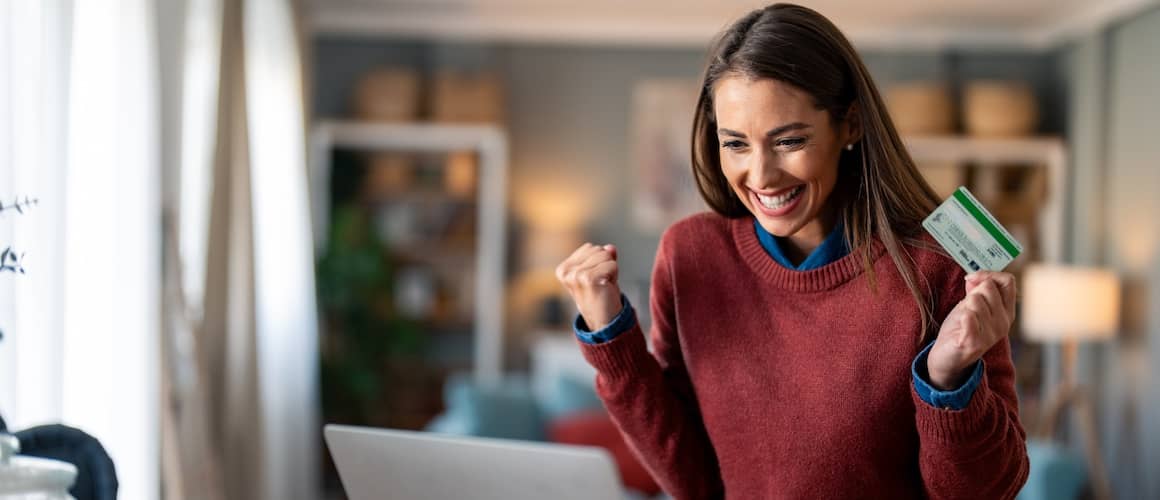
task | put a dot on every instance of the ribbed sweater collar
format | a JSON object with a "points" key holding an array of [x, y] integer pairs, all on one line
{"points": [[814, 280]]}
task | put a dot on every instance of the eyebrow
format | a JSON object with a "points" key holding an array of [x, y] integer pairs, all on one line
{"points": [[772, 133]]}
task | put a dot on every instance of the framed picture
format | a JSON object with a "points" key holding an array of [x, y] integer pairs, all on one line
{"points": [[662, 121]]}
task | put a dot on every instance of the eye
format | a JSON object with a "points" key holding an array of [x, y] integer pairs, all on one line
{"points": [[790, 142], [734, 145]]}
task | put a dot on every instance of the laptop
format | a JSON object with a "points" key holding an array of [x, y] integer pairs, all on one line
{"points": [[407, 465]]}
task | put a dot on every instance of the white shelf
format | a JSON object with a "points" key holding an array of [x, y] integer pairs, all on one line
{"points": [[416, 137], [1038, 150], [1048, 152], [490, 143]]}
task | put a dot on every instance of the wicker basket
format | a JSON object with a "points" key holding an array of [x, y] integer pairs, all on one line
{"points": [[921, 108], [999, 109], [467, 98], [387, 95]]}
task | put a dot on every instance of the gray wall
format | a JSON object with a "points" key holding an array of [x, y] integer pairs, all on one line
{"points": [[1114, 105]]}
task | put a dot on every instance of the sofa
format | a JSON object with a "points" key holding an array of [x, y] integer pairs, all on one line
{"points": [[554, 402]]}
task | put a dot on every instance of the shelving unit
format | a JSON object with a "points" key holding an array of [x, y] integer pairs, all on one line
{"points": [[489, 143]]}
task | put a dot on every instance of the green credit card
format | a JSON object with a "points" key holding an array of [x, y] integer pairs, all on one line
{"points": [[970, 234]]}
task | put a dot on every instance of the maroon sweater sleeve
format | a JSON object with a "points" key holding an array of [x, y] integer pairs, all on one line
{"points": [[651, 399], [979, 451]]}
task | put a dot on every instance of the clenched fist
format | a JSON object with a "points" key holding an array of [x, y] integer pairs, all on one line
{"points": [[981, 320], [590, 275]]}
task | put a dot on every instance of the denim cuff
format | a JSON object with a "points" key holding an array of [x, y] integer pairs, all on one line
{"points": [[956, 399], [623, 322]]}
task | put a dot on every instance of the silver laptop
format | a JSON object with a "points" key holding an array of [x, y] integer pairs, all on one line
{"points": [[405, 465]]}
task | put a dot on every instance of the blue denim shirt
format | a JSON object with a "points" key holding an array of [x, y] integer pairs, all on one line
{"points": [[834, 247]]}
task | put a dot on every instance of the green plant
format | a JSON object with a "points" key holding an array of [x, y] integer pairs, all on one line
{"points": [[362, 331], [20, 205], [12, 260]]}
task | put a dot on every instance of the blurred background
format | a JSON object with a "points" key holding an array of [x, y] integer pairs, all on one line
{"points": [[227, 222]]}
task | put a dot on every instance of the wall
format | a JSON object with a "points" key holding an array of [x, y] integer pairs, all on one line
{"points": [[1113, 108]]}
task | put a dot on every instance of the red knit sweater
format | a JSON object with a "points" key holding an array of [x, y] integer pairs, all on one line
{"points": [[764, 382]]}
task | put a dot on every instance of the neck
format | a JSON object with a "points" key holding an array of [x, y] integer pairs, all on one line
{"points": [[802, 243]]}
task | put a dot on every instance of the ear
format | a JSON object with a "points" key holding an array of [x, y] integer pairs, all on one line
{"points": [[852, 125]]}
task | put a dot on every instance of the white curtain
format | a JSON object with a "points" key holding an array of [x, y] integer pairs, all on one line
{"points": [[208, 168], [286, 324], [191, 458], [34, 48], [78, 121], [246, 287]]}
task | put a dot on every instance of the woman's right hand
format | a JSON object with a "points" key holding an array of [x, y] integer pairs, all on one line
{"points": [[590, 275]]}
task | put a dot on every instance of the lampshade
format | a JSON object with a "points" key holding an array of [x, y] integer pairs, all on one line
{"points": [[1069, 303]]}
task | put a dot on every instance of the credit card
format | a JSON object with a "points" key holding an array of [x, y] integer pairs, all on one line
{"points": [[970, 234]]}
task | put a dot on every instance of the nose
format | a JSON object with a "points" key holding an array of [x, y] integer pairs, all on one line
{"points": [[764, 170]]}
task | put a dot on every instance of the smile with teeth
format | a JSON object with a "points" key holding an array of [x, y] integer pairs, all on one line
{"points": [[776, 202]]}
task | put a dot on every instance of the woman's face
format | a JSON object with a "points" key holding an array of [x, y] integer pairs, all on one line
{"points": [[780, 154]]}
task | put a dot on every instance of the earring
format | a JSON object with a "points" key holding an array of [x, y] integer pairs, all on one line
{"points": [[849, 147]]}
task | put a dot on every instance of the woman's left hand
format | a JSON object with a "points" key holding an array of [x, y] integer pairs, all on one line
{"points": [[977, 323]]}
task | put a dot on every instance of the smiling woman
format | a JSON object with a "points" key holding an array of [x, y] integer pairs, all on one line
{"points": [[785, 322], [780, 156], [807, 78]]}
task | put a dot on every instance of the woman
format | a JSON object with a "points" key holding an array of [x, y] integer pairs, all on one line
{"points": [[808, 341]]}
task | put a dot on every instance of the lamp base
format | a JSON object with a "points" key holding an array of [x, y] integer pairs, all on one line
{"points": [[1070, 395]]}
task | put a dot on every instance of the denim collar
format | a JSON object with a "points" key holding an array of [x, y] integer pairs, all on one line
{"points": [[834, 247]]}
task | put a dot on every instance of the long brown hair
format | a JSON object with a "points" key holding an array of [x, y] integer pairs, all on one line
{"points": [[883, 195]]}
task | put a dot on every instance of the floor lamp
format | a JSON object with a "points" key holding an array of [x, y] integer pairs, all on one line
{"points": [[1066, 305]]}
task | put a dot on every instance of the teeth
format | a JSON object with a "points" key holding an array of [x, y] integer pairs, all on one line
{"points": [[776, 202]]}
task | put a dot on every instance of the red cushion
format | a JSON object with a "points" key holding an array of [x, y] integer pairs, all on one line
{"points": [[595, 428]]}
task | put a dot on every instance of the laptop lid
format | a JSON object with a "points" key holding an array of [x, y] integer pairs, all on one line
{"points": [[407, 465]]}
